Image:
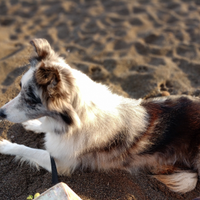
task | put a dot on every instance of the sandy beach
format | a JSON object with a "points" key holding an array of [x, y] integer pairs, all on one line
{"points": [[139, 48]]}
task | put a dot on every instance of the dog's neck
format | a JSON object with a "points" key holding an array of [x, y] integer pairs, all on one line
{"points": [[89, 97]]}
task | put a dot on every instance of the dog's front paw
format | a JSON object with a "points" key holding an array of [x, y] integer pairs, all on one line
{"points": [[33, 125], [6, 146]]}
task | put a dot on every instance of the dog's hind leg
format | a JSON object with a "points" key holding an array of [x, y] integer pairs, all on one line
{"points": [[35, 157]]}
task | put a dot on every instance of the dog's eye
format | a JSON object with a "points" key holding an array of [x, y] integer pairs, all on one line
{"points": [[30, 103], [20, 85], [32, 97]]}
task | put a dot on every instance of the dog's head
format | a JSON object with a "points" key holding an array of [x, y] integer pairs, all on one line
{"points": [[46, 89]]}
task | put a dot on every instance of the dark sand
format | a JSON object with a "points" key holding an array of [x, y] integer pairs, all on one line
{"points": [[139, 48]]}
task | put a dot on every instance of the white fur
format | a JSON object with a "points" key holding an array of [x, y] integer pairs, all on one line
{"points": [[36, 157], [27, 76], [13, 113], [182, 181], [98, 123], [34, 125]]}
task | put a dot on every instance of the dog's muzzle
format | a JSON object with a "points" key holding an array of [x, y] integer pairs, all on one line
{"points": [[2, 114]]}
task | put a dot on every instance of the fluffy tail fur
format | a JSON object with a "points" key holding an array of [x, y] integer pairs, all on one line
{"points": [[180, 181]]}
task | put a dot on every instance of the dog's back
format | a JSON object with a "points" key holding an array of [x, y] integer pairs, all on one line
{"points": [[168, 148]]}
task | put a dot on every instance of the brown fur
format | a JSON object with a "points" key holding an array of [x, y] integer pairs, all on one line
{"points": [[48, 78], [55, 82], [42, 47]]}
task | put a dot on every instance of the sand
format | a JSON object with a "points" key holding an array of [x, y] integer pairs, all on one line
{"points": [[140, 48]]}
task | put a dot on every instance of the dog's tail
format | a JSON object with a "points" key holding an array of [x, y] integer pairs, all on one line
{"points": [[180, 181]]}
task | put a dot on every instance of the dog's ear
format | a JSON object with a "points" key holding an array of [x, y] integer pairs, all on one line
{"points": [[42, 48], [48, 78], [56, 85]]}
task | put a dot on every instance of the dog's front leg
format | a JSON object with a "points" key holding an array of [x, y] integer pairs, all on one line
{"points": [[35, 157]]}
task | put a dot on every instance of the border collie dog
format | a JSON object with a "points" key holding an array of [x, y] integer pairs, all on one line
{"points": [[87, 126]]}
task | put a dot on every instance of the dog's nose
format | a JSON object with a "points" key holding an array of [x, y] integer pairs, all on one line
{"points": [[2, 114]]}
